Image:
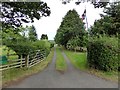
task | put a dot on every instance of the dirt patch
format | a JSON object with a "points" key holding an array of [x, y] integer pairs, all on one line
{"points": [[61, 71]]}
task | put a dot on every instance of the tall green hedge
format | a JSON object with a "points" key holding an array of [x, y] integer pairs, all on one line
{"points": [[103, 53], [42, 45]]}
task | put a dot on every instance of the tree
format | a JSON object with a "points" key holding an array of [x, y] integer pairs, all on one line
{"points": [[44, 36], [15, 13], [109, 24], [114, 13], [17, 42], [71, 27], [96, 3], [32, 33]]}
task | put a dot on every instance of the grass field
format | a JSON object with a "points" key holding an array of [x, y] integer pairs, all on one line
{"points": [[4, 51], [79, 60], [9, 76], [60, 62]]}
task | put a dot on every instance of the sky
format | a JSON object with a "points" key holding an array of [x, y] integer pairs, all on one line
{"points": [[49, 25]]}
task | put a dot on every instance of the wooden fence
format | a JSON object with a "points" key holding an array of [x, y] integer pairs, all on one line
{"points": [[32, 59]]}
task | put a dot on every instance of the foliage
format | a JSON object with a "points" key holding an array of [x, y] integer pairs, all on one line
{"points": [[72, 43], [71, 27], [96, 3], [52, 43], [32, 34], [14, 14], [110, 23], [42, 45], [103, 53], [21, 43], [20, 46], [44, 36]]}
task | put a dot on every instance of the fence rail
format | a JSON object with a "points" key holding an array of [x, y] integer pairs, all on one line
{"points": [[29, 62]]}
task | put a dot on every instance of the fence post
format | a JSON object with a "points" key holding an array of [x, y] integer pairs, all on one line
{"points": [[21, 62], [27, 63], [45, 54]]}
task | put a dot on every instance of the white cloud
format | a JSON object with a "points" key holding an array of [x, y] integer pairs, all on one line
{"points": [[49, 25]]}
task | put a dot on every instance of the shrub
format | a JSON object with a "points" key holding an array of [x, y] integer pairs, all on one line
{"points": [[42, 45], [103, 53], [51, 45]]}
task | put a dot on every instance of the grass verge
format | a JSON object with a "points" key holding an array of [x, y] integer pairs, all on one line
{"points": [[79, 60], [15, 75], [60, 62]]}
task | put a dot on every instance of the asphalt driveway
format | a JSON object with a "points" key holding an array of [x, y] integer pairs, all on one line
{"points": [[72, 78]]}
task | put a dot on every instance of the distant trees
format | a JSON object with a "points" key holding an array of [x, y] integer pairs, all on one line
{"points": [[71, 30], [44, 36], [32, 33]]}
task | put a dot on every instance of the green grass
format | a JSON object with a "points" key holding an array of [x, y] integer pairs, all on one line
{"points": [[60, 62], [4, 51], [9, 76], [79, 60]]}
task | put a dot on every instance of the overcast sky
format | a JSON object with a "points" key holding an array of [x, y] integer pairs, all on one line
{"points": [[49, 25]]}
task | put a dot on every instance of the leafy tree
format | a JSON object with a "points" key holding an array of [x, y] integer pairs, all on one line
{"points": [[96, 3], [15, 13], [73, 43], [71, 27], [32, 34], [114, 13], [109, 24], [44, 36], [17, 42]]}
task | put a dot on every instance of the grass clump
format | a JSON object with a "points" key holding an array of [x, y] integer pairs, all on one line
{"points": [[60, 62]]}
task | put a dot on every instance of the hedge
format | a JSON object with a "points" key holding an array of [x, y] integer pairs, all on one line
{"points": [[42, 45], [103, 53]]}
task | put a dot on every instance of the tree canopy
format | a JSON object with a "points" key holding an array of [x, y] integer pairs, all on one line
{"points": [[96, 3], [32, 34], [71, 27], [110, 23], [44, 36], [15, 13]]}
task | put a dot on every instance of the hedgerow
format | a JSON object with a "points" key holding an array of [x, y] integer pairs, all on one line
{"points": [[103, 53]]}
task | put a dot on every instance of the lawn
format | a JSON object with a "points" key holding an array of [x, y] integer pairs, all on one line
{"points": [[9, 76], [60, 62], [79, 60]]}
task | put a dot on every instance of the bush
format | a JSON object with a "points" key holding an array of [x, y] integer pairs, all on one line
{"points": [[42, 45], [51, 45], [103, 53], [22, 47]]}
